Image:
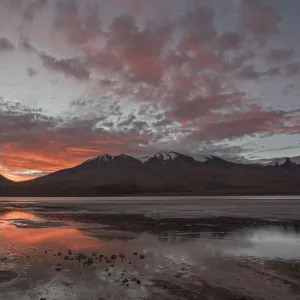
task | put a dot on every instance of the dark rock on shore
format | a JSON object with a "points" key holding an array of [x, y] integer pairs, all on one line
{"points": [[6, 276], [114, 257], [122, 256], [89, 261], [81, 256]]}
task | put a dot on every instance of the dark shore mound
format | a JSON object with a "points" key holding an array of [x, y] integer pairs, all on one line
{"points": [[7, 277]]}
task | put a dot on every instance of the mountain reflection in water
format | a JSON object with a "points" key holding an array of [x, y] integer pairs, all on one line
{"points": [[264, 242]]}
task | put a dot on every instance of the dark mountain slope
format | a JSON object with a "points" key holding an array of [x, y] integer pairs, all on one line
{"points": [[162, 173]]}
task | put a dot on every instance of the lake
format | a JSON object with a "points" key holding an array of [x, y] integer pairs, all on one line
{"points": [[150, 248], [261, 207]]}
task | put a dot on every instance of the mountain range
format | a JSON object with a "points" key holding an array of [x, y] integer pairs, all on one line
{"points": [[164, 173]]}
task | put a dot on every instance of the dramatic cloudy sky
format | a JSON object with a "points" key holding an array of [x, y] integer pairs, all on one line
{"points": [[83, 77]]}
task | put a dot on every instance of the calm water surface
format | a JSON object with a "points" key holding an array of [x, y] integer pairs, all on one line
{"points": [[282, 207], [260, 263]]}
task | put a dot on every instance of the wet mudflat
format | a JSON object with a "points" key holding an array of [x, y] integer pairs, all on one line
{"points": [[52, 253]]}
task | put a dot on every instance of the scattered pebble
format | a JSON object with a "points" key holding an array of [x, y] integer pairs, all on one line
{"points": [[66, 281], [81, 256], [114, 257], [122, 256], [89, 261], [136, 280]]}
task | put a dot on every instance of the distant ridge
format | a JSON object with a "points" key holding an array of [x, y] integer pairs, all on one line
{"points": [[282, 160], [163, 173], [5, 180]]}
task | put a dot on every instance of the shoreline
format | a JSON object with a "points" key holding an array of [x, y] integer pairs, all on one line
{"points": [[171, 194], [259, 208], [141, 223]]}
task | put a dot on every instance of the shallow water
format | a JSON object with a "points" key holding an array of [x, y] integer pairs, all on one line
{"points": [[279, 207], [246, 263]]}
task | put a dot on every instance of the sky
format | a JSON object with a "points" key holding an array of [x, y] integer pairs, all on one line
{"points": [[82, 78]]}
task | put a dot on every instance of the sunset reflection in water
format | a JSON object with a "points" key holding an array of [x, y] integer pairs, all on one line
{"points": [[16, 215], [57, 237]]}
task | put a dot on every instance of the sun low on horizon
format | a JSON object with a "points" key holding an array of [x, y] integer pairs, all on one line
{"points": [[82, 78]]}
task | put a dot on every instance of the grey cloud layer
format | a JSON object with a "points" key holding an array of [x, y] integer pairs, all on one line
{"points": [[6, 45]]}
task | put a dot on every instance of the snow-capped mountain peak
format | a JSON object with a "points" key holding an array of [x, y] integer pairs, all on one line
{"points": [[199, 158], [103, 158], [124, 156], [143, 159], [109, 158], [162, 156], [166, 155], [281, 161]]}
